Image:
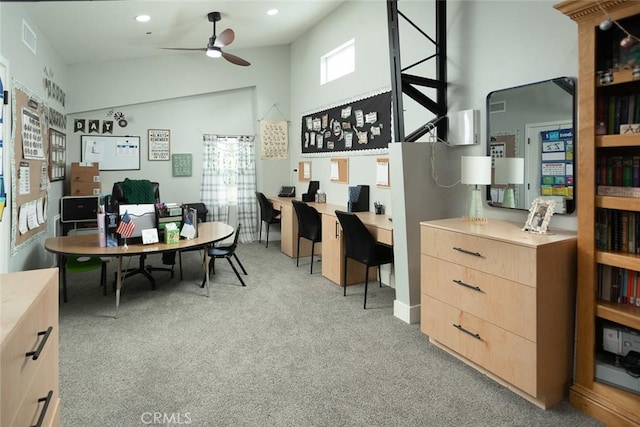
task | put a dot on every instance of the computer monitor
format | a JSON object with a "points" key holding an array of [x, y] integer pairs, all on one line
{"points": [[143, 216], [79, 208], [358, 199]]}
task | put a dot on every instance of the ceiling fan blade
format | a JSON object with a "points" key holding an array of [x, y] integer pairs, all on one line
{"points": [[224, 38], [185, 48], [235, 59]]}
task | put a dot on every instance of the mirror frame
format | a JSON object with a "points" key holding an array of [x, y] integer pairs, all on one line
{"points": [[569, 85]]}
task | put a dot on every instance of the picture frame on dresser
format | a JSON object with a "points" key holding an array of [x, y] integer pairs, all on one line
{"points": [[539, 216]]}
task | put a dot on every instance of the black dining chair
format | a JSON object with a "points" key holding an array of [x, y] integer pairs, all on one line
{"points": [[361, 246], [268, 214], [309, 227], [202, 212], [226, 252]]}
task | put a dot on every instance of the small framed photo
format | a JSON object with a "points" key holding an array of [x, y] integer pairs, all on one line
{"points": [[150, 235], [539, 216]]}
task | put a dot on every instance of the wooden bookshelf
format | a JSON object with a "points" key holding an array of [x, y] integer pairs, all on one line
{"points": [[598, 52]]}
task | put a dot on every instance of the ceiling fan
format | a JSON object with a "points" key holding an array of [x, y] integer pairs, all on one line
{"points": [[216, 43]]}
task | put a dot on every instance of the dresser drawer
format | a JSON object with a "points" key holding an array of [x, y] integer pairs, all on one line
{"points": [[513, 262], [29, 411], [19, 371], [507, 304], [506, 355]]}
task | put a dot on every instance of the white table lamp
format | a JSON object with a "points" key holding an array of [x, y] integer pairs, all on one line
{"points": [[476, 170], [508, 171]]}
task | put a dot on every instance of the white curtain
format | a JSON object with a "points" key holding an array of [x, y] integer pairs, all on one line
{"points": [[229, 179]]}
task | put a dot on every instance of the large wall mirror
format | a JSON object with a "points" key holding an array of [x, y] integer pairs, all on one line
{"points": [[530, 134]]}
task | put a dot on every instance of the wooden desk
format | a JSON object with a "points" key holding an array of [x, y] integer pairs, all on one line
{"points": [[87, 244], [332, 243]]}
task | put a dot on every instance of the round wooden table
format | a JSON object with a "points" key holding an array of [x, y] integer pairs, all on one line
{"points": [[87, 245]]}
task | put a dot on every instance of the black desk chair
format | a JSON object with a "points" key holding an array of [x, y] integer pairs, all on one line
{"points": [[202, 211], [267, 214], [309, 227], [226, 252], [143, 194], [361, 246]]}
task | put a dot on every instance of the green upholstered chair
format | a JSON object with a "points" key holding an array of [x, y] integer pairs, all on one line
{"points": [[76, 264]]}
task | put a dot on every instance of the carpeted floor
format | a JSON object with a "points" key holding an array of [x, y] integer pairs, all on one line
{"points": [[287, 350]]}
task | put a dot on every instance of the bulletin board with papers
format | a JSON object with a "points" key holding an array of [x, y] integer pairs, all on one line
{"points": [[358, 125], [29, 165]]}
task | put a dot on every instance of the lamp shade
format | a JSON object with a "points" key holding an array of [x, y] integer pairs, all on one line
{"points": [[509, 170], [476, 170]]}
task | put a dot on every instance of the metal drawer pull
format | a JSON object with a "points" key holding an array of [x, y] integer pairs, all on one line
{"points": [[36, 353], [466, 285], [43, 414], [459, 327], [464, 251]]}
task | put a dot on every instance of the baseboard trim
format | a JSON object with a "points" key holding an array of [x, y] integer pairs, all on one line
{"points": [[408, 314]]}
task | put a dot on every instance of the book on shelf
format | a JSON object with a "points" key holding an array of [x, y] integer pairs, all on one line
{"points": [[169, 218], [618, 191], [619, 285]]}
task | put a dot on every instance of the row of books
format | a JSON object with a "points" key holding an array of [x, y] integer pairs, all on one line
{"points": [[617, 231], [618, 170], [617, 284], [615, 110]]}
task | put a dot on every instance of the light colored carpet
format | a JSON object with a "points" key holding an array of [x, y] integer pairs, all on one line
{"points": [[287, 350]]}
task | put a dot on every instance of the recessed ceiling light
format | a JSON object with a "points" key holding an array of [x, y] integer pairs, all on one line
{"points": [[143, 18], [272, 12]]}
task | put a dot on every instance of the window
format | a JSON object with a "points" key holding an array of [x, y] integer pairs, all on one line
{"points": [[339, 62]]}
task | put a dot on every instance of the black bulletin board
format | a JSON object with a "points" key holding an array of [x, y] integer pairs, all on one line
{"points": [[363, 124], [113, 153]]}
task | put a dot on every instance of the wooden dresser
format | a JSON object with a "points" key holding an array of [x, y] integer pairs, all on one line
{"points": [[29, 348], [502, 300]]}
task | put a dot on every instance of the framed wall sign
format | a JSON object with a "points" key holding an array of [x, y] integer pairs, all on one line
{"points": [[57, 155], [159, 144], [181, 164]]}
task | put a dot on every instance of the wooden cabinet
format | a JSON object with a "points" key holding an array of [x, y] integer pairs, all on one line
{"points": [[29, 348], [600, 51], [502, 300], [289, 229], [333, 258]]}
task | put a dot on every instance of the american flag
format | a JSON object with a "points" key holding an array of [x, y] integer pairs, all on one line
{"points": [[126, 226]]}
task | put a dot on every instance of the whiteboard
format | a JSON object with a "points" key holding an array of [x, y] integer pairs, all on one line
{"points": [[111, 152]]}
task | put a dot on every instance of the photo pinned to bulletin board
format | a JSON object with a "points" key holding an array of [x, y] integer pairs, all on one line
{"points": [[181, 164]]}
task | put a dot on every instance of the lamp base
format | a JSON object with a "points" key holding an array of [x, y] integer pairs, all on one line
{"points": [[475, 209], [509, 198]]}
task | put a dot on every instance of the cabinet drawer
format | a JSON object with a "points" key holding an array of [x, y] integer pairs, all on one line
{"points": [[513, 262], [507, 304], [18, 371], [29, 411], [382, 235], [506, 355]]}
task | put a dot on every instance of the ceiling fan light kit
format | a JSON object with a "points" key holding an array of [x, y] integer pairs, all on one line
{"points": [[216, 43]]}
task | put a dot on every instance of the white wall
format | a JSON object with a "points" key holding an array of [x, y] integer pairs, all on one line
{"points": [[366, 22], [498, 44], [208, 87], [27, 69], [225, 112], [188, 94], [491, 45]]}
